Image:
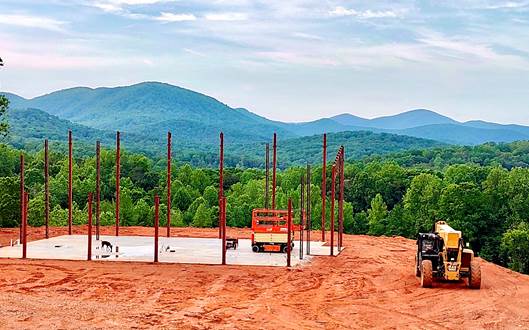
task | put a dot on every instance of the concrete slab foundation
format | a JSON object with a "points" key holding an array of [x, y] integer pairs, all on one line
{"points": [[171, 250]]}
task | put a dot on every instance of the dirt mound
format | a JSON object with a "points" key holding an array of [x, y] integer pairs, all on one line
{"points": [[371, 284]]}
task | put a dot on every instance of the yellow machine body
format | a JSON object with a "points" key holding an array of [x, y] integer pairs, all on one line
{"points": [[456, 259]]}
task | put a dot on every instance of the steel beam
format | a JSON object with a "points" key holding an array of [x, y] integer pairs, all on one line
{"points": [[341, 200], [25, 226], [46, 190], [221, 181], [156, 225], [308, 209], [274, 165], [98, 188], [323, 187], [267, 175], [223, 230], [22, 196], [118, 175], [168, 184], [289, 227], [333, 185], [301, 216], [89, 251], [70, 183]]}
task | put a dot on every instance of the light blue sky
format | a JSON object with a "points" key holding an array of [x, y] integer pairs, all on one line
{"points": [[285, 59]]}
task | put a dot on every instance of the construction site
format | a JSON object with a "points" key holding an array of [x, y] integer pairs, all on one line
{"points": [[274, 233], [279, 273]]}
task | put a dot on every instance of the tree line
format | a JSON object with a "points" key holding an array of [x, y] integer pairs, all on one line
{"points": [[489, 203]]}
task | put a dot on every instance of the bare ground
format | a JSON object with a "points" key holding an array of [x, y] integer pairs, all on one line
{"points": [[371, 284]]}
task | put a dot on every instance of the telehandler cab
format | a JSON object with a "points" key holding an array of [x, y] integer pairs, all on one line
{"points": [[441, 255]]}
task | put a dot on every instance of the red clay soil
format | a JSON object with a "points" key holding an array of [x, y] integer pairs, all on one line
{"points": [[371, 284]]}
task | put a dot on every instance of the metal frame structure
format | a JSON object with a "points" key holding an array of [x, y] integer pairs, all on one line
{"points": [[305, 198]]}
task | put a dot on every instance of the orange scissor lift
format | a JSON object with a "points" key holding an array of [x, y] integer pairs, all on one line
{"points": [[270, 230]]}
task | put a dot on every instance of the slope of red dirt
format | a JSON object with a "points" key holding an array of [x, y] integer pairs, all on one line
{"points": [[371, 284]]}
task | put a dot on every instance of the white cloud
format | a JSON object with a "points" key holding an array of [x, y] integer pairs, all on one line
{"points": [[306, 36], [342, 11], [226, 17], [32, 22], [170, 17], [194, 52]]}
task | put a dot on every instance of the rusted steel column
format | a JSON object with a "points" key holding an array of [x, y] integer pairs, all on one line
{"points": [[323, 187], [25, 226], [168, 184], [46, 189], [22, 196], [274, 165], [301, 217], [333, 185], [118, 175], [221, 181], [223, 230], [98, 188], [156, 225], [70, 183], [89, 256], [341, 201], [267, 175], [308, 209], [289, 227]]}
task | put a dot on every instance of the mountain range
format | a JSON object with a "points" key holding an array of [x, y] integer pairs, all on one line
{"points": [[146, 111]]}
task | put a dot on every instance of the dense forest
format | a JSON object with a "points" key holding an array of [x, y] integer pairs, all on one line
{"points": [[483, 191]]}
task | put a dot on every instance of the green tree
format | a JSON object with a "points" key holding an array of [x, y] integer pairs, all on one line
{"points": [[421, 201], [377, 217], [203, 217], [515, 247], [9, 202], [4, 125]]}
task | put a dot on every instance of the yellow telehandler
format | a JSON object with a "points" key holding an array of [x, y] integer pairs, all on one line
{"points": [[441, 254]]}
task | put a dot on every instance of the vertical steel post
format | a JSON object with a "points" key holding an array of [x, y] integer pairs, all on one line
{"points": [[323, 187], [118, 175], [22, 196], [301, 215], [46, 189], [25, 226], [267, 175], [221, 181], [168, 184], [289, 227], [223, 230], [274, 165], [333, 185], [341, 201], [98, 188], [308, 209], [156, 225], [89, 251], [70, 183]]}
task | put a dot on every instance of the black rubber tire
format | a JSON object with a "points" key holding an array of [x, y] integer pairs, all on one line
{"points": [[255, 248], [474, 280], [426, 274], [417, 268]]}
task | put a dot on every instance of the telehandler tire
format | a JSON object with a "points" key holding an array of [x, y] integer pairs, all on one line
{"points": [[417, 267], [474, 280], [426, 274]]}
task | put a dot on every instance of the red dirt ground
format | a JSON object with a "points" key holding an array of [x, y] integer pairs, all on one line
{"points": [[371, 284]]}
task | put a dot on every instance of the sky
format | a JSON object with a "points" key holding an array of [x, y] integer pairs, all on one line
{"points": [[287, 60]]}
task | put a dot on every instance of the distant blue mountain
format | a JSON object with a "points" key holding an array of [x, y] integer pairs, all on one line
{"points": [[152, 108]]}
